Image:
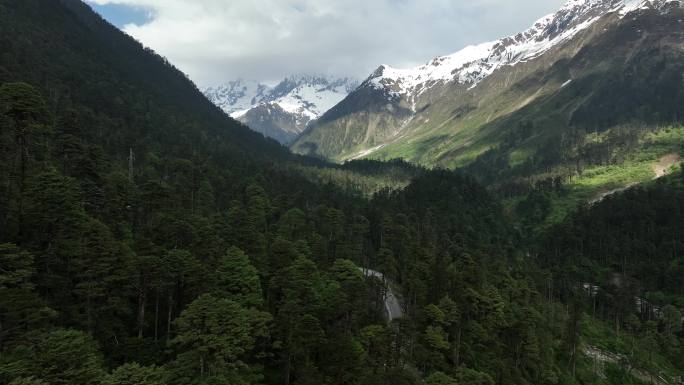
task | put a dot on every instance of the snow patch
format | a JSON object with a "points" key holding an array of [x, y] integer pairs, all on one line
{"points": [[239, 114], [305, 97], [473, 64], [365, 153]]}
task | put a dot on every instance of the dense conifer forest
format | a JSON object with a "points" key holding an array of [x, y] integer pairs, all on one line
{"points": [[147, 238]]}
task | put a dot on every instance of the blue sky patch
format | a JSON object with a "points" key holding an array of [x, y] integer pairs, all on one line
{"points": [[120, 15]]}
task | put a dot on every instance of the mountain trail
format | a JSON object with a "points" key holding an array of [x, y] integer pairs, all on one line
{"points": [[663, 166], [601, 356], [605, 194], [392, 304]]}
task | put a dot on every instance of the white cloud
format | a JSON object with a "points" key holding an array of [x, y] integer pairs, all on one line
{"points": [[218, 40]]}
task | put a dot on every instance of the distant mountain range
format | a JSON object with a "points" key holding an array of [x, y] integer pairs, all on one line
{"points": [[592, 65], [283, 111]]}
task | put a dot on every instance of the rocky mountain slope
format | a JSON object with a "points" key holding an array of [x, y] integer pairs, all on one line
{"points": [[284, 111], [547, 102]]}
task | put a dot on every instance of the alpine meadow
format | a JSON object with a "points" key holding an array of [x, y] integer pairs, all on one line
{"points": [[508, 214]]}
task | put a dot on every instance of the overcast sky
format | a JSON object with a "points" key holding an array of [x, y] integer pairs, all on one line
{"points": [[214, 41]]}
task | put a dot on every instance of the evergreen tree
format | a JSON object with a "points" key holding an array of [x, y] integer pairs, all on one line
{"points": [[134, 374], [150, 222], [439, 378], [57, 357], [238, 280], [296, 317], [213, 336], [28, 381], [21, 308]]}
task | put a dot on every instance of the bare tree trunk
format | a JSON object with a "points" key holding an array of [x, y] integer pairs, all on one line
{"points": [[573, 359], [131, 159], [156, 317], [1, 337], [168, 319], [457, 359], [288, 369], [142, 299], [88, 313], [22, 176]]}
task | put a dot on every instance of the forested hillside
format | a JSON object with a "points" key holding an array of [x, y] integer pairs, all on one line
{"points": [[590, 97], [147, 238], [622, 260]]}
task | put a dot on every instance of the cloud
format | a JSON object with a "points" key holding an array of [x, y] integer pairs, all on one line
{"points": [[219, 40]]}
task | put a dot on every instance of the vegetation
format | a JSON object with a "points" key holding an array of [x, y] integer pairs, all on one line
{"points": [[621, 261], [146, 238], [361, 176]]}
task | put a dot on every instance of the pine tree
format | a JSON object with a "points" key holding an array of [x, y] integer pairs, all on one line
{"points": [[213, 335], [237, 280], [351, 297], [572, 340], [28, 381], [297, 307], [99, 269], [292, 225], [134, 374], [57, 357], [20, 307], [180, 277], [24, 111], [24, 106], [439, 378]]}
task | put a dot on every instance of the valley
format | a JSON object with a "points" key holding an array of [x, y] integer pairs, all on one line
{"points": [[521, 111], [510, 214]]}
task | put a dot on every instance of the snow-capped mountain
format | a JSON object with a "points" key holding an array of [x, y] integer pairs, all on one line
{"points": [[282, 111], [443, 112], [238, 95], [473, 64]]}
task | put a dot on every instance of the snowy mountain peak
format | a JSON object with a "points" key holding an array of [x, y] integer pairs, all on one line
{"points": [[297, 99], [316, 93], [310, 96], [473, 64], [237, 95]]}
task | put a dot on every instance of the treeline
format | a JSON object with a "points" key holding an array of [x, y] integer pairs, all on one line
{"points": [[146, 238], [178, 271], [622, 260], [559, 158], [359, 177], [149, 271], [599, 119]]}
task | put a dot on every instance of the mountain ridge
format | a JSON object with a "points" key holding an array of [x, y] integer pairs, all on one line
{"points": [[474, 63], [148, 238], [419, 116], [282, 111]]}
